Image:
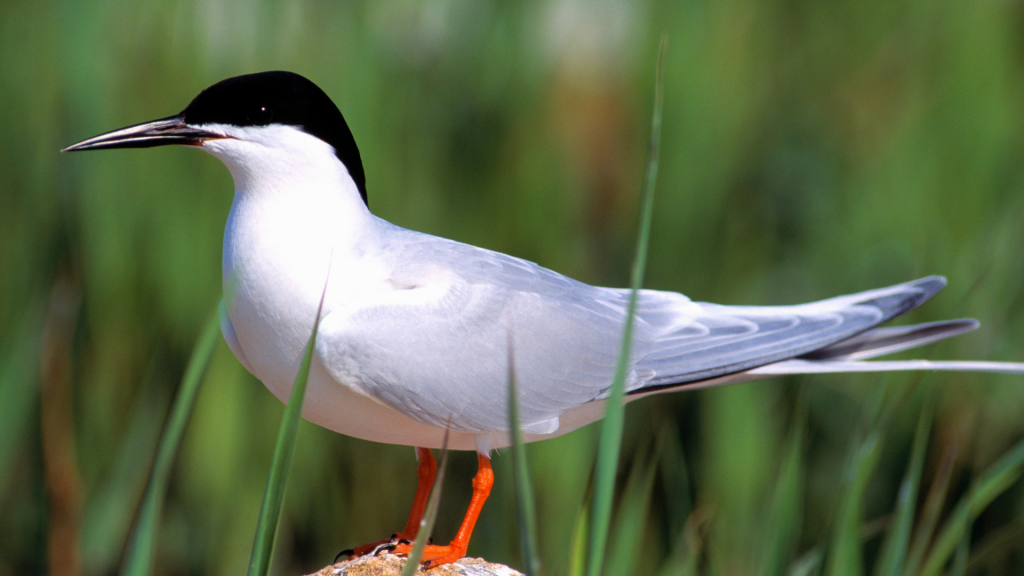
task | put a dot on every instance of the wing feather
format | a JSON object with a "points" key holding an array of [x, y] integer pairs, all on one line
{"points": [[439, 349]]}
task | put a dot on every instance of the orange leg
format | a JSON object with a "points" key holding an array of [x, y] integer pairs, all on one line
{"points": [[425, 472], [438, 555]]}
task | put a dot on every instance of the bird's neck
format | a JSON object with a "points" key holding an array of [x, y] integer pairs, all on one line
{"points": [[295, 210], [294, 219], [288, 231], [291, 187]]}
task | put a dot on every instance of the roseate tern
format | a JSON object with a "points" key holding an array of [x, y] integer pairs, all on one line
{"points": [[416, 329]]}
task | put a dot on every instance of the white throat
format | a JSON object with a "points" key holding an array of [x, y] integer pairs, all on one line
{"points": [[295, 210]]}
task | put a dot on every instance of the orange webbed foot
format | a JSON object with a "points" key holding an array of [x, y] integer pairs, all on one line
{"points": [[434, 556], [425, 472]]}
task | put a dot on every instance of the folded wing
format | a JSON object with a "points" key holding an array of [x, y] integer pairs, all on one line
{"points": [[439, 348]]}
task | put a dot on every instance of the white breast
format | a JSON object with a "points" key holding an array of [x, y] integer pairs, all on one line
{"points": [[296, 215]]}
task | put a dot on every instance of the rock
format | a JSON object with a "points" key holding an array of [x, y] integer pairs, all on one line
{"points": [[391, 565]]}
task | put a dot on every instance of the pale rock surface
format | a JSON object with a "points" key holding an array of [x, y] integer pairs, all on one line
{"points": [[391, 565]]}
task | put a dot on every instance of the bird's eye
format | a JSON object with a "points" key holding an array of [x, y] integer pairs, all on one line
{"points": [[262, 116]]}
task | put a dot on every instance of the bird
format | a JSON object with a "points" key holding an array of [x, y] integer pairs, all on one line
{"points": [[417, 334]]}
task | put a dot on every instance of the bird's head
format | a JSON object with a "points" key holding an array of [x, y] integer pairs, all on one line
{"points": [[247, 120]]}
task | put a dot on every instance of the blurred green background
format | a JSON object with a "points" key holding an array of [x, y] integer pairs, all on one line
{"points": [[809, 149]]}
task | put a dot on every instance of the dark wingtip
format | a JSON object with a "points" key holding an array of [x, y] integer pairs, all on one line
{"points": [[912, 295], [930, 285]]}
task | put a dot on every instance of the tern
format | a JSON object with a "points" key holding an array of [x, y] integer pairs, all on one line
{"points": [[416, 331]]}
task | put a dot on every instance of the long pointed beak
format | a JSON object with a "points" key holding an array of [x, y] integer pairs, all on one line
{"points": [[170, 130]]}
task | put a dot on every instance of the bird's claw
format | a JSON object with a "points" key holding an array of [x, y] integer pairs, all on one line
{"points": [[384, 548], [346, 552]]}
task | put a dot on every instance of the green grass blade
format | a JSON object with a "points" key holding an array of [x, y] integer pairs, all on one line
{"points": [[632, 516], [993, 482], [412, 564], [113, 506], [959, 567], [139, 554], [578, 547], [845, 554], [688, 549], [929, 517], [897, 541], [807, 565], [786, 508], [527, 519], [611, 431], [273, 497]]}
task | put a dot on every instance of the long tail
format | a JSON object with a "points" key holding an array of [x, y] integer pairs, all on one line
{"points": [[849, 355], [888, 340], [767, 353], [830, 367]]}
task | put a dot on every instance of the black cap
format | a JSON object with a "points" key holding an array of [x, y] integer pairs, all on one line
{"points": [[279, 98]]}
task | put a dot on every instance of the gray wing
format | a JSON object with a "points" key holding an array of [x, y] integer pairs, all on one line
{"points": [[440, 348], [729, 339]]}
